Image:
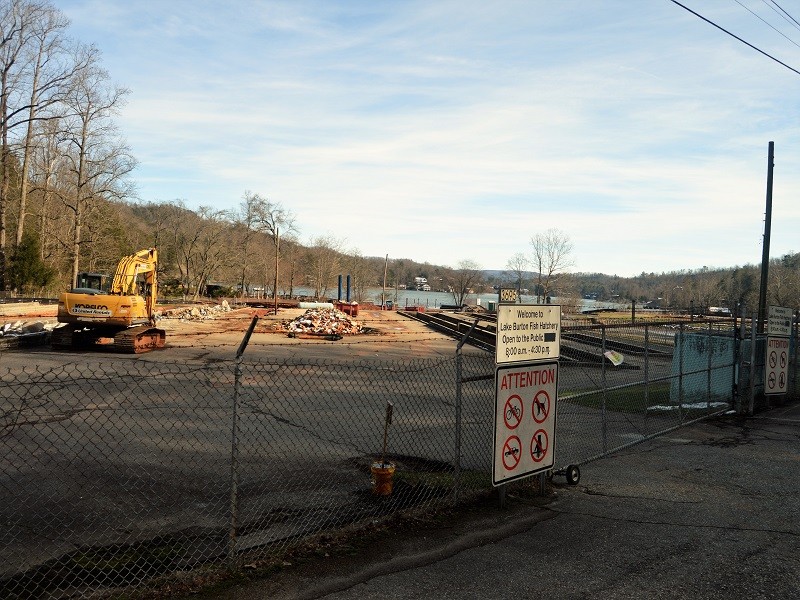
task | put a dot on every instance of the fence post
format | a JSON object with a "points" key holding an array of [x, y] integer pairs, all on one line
{"points": [[605, 387], [752, 388], [795, 391], [710, 363], [680, 373], [736, 361], [740, 362], [234, 482], [457, 441], [646, 377]]}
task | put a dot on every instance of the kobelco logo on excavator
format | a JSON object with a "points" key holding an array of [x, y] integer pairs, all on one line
{"points": [[94, 306]]}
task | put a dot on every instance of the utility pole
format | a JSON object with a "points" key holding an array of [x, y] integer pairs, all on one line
{"points": [[383, 293], [277, 250], [762, 293]]}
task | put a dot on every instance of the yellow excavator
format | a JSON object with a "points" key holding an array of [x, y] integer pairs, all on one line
{"points": [[117, 318]]}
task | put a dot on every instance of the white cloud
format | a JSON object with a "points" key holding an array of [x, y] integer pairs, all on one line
{"points": [[442, 131]]}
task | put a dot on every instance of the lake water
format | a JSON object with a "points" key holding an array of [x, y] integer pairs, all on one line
{"points": [[404, 298]]}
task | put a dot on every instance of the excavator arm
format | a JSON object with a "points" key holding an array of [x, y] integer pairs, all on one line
{"points": [[125, 283]]}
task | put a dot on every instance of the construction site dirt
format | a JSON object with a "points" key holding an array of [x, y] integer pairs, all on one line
{"points": [[217, 335]]}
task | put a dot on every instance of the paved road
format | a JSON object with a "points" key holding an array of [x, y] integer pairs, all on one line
{"points": [[709, 511]]}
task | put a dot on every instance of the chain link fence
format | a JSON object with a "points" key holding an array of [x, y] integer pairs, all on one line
{"points": [[119, 473]]}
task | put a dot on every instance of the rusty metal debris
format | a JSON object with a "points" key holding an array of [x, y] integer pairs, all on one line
{"points": [[323, 321]]}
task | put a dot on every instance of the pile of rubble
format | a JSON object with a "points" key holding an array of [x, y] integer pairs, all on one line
{"points": [[194, 313], [25, 328], [25, 333], [323, 321]]}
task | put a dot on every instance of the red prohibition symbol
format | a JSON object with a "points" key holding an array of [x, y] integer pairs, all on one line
{"points": [[773, 359], [783, 360], [771, 380], [541, 406], [539, 445], [512, 453], [512, 413]]}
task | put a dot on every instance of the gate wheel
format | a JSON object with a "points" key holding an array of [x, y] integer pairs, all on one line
{"points": [[573, 474]]}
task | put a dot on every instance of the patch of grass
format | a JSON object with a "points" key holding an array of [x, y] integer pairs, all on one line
{"points": [[444, 479], [629, 399]]}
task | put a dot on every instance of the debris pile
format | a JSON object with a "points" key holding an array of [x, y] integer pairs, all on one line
{"points": [[323, 321], [25, 333], [25, 328], [194, 313]]}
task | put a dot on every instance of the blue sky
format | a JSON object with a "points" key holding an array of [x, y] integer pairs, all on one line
{"points": [[444, 130]]}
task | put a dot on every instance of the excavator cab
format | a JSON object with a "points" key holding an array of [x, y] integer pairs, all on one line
{"points": [[92, 283]]}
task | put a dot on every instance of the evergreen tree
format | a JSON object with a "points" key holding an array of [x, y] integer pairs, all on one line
{"points": [[27, 272]]}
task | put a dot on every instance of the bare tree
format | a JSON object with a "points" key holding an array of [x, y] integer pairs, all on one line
{"points": [[362, 274], [784, 284], [17, 19], [98, 160], [551, 258], [325, 263], [262, 217], [517, 266], [210, 248], [51, 68], [461, 280]]}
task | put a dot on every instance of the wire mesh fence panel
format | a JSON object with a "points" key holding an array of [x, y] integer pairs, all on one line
{"points": [[114, 472], [477, 418], [110, 474], [620, 385], [311, 432]]}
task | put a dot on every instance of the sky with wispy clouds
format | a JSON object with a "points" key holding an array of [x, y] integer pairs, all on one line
{"points": [[452, 130]]}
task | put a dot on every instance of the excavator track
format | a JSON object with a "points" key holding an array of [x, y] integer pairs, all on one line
{"points": [[61, 337], [136, 340]]}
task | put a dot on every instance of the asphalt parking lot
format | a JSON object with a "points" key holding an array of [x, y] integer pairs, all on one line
{"points": [[708, 511]]}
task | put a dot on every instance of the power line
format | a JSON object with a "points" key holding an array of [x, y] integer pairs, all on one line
{"points": [[760, 18], [790, 17], [699, 16]]}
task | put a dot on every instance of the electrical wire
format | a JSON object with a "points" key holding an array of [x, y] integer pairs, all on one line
{"points": [[788, 17], [768, 24], [699, 16]]}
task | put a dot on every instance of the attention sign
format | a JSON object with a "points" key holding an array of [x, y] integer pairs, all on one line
{"points": [[525, 420], [776, 376]]}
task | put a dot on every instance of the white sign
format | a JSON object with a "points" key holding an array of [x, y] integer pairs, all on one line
{"points": [[527, 332], [779, 321], [776, 366], [525, 420]]}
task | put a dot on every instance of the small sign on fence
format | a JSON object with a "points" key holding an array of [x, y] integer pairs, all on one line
{"points": [[527, 332]]}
